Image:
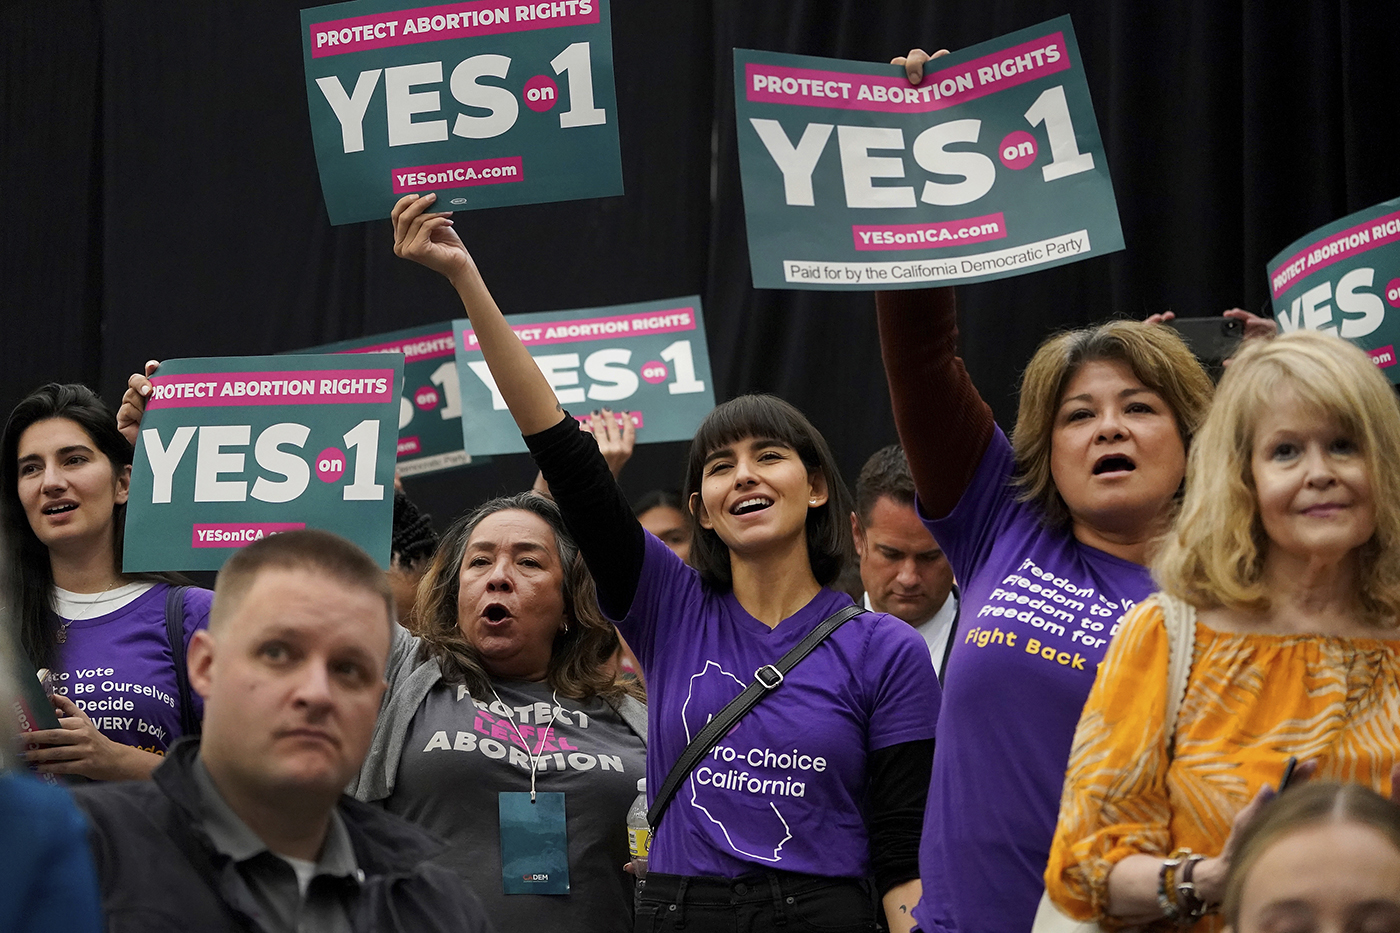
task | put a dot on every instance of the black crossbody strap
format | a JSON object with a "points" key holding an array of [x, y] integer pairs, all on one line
{"points": [[766, 679], [175, 634]]}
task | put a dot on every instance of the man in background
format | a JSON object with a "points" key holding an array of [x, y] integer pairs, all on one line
{"points": [[902, 569]]}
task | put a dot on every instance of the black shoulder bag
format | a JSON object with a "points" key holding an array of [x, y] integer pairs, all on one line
{"points": [[175, 634], [765, 680]]}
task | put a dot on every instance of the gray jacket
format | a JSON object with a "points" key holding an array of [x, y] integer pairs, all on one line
{"points": [[410, 680]]}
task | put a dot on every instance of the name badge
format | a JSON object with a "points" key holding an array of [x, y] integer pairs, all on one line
{"points": [[534, 844]]}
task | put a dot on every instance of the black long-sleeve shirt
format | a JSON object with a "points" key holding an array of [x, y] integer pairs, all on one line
{"points": [[613, 546]]}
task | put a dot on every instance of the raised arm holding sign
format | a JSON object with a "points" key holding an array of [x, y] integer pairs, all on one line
{"points": [[1048, 540]]}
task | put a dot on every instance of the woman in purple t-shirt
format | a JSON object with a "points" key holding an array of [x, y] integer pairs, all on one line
{"points": [[101, 633], [1048, 538], [822, 783]]}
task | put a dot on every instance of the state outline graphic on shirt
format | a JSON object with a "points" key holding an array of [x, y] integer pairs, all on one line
{"points": [[690, 780]]}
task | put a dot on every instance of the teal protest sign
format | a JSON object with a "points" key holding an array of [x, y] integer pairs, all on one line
{"points": [[233, 449], [648, 359], [1344, 279], [856, 179], [430, 409], [486, 103]]}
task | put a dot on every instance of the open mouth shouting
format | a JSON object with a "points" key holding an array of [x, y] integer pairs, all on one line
{"points": [[496, 614], [750, 505], [1114, 465]]}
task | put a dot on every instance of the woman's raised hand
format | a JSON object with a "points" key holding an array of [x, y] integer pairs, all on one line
{"points": [[138, 390], [615, 441], [427, 238], [914, 63]]}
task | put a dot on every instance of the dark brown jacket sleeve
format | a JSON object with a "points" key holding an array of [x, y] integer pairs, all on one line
{"points": [[943, 423]]}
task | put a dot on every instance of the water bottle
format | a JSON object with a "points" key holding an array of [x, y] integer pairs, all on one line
{"points": [[638, 832]]}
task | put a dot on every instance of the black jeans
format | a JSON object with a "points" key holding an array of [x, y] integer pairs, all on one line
{"points": [[755, 903]]}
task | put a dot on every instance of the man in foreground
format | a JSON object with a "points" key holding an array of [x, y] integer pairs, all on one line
{"points": [[247, 828]]}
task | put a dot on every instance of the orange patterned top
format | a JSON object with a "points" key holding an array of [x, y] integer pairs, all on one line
{"points": [[1252, 700]]}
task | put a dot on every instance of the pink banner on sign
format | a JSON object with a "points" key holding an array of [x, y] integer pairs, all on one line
{"points": [[313, 387], [930, 235], [948, 87], [598, 328], [427, 347], [1383, 356], [449, 21], [1330, 249], [237, 534], [458, 174], [408, 445]]}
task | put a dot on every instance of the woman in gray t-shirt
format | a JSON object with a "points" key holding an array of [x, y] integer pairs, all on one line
{"points": [[506, 709]]}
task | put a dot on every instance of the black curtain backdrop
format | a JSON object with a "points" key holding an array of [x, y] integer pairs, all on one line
{"points": [[159, 196]]}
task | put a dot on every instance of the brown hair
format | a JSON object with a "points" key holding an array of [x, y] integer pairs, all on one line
{"points": [[1214, 554], [302, 549], [1298, 808], [580, 660], [1156, 355]]}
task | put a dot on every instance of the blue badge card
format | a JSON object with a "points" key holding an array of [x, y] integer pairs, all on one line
{"points": [[534, 844]]}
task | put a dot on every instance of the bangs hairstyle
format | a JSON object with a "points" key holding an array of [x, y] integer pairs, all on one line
{"points": [[1156, 355], [1214, 555], [1299, 808], [580, 660], [767, 417]]}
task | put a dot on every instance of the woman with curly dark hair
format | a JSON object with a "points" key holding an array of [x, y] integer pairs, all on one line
{"points": [[506, 692]]}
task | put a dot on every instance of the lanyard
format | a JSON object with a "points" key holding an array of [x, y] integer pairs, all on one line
{"points": [[536, 755]]}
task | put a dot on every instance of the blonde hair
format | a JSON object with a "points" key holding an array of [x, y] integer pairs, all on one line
{"points": [[1214, 554], [1156, 355]]}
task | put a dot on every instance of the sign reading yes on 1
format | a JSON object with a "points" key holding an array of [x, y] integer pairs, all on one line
{"points": [[430, 409], [233, 449], [649, 359], [1344, 279], [486, 103], [990, 167]]}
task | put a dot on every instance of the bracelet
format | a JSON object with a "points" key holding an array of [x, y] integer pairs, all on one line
{"points": [[1166, 885], [1190, 904]]}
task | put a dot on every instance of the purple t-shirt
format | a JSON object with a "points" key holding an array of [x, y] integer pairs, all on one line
{"points": [[119, 670], [786, 788], [1037, 611]]}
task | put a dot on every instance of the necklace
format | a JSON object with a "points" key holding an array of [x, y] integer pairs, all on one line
{"points": [[65, 624], [536, 755]]}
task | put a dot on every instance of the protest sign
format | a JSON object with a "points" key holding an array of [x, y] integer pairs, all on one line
{"points": [[990, 167], [1344, 279], [486, 103], [233, 449], [430, 409], [649, 359]]}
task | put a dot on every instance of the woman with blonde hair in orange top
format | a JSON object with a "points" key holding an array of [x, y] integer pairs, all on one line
{"points": [[1284, 564]]}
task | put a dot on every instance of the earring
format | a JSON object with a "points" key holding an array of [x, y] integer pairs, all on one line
{"points": [[565, 629]]}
